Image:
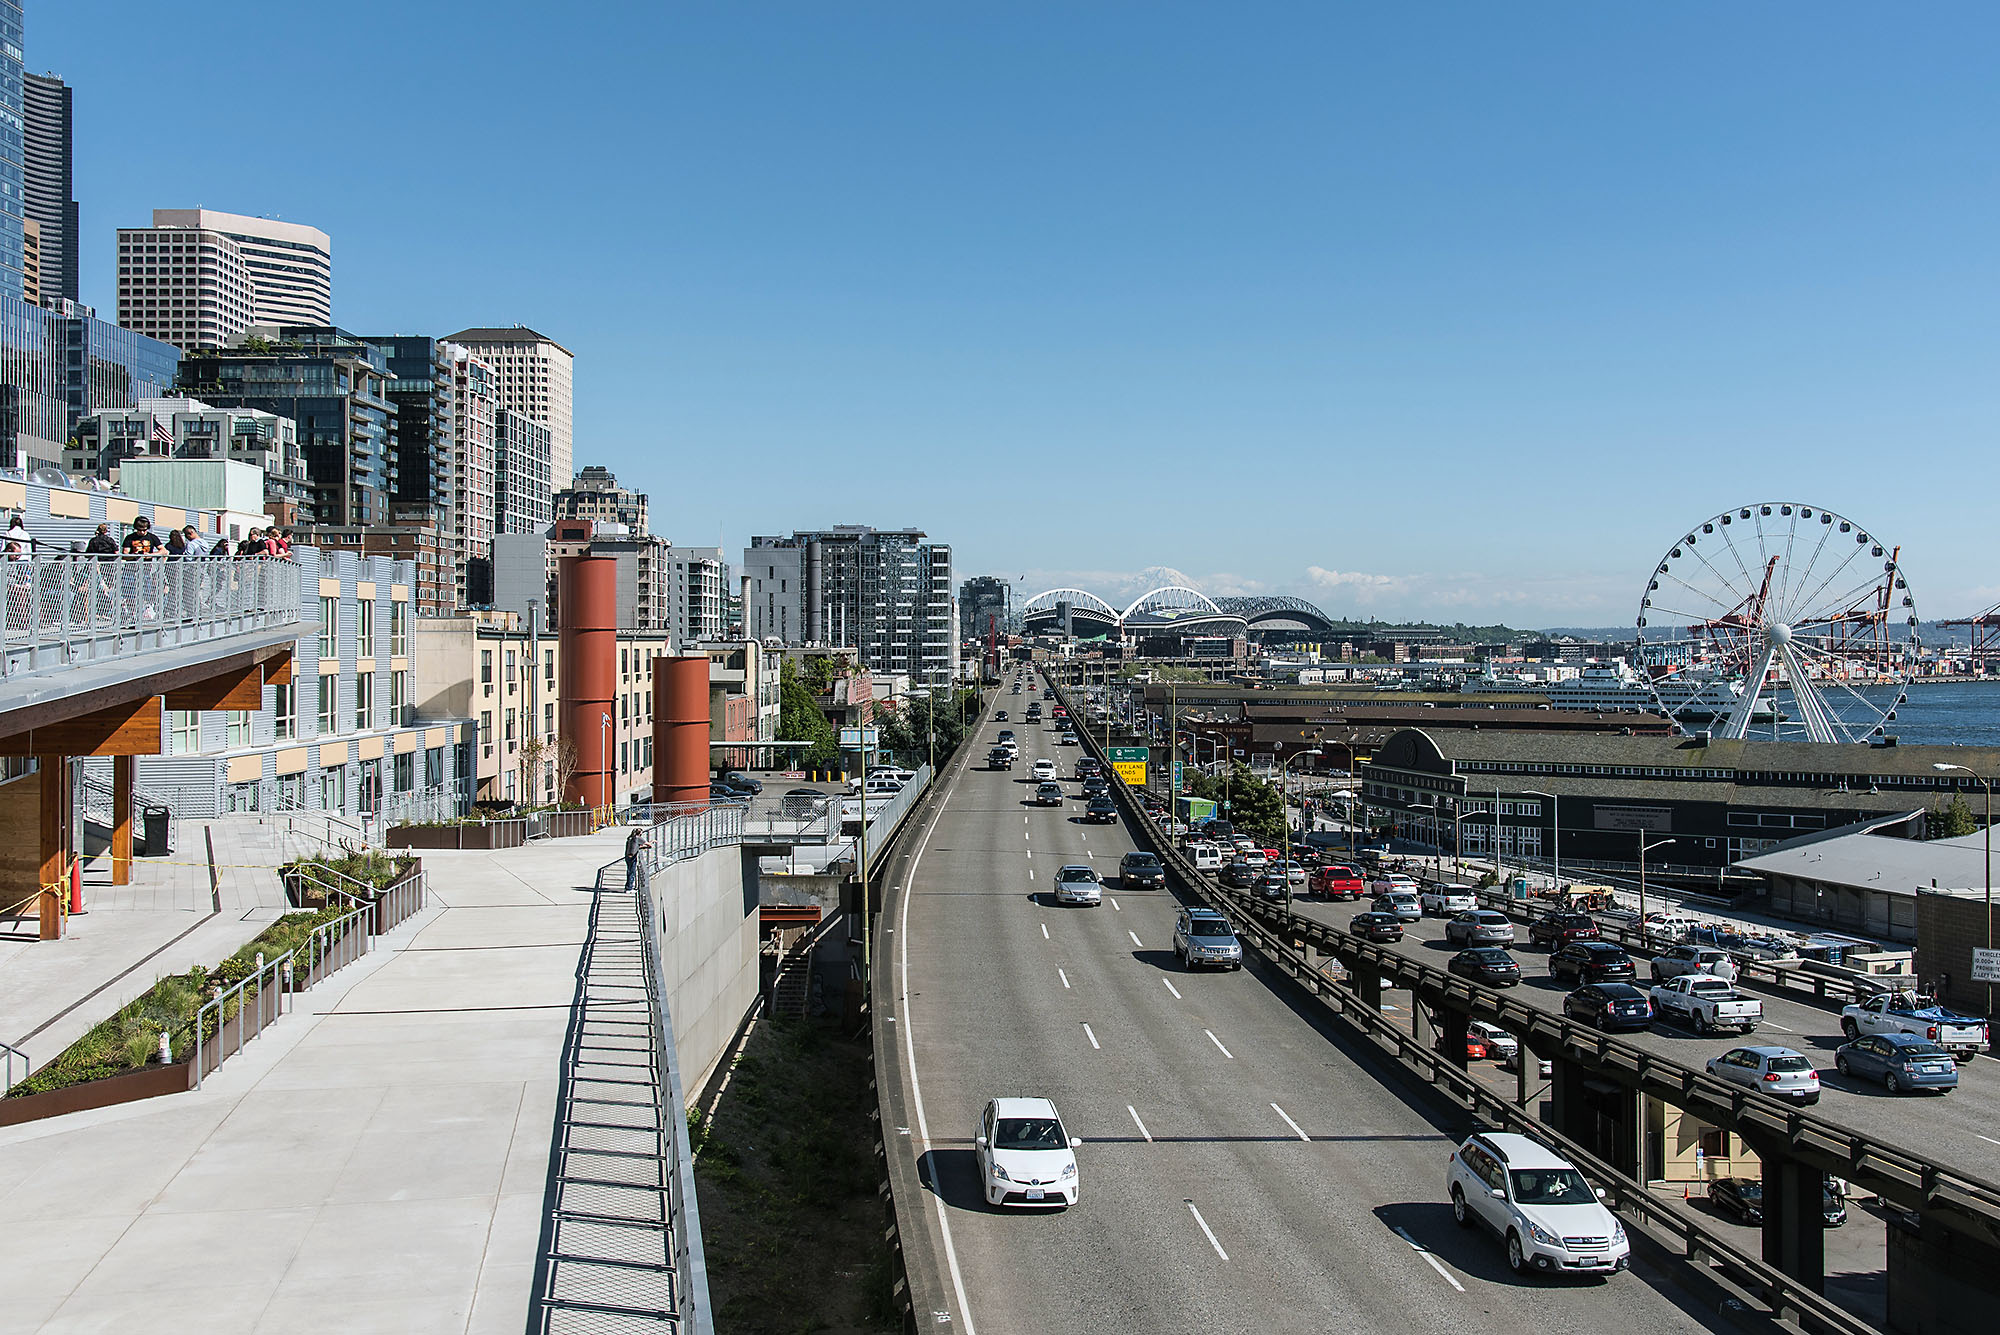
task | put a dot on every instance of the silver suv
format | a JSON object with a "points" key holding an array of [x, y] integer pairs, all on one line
{"points": [[1549, 1217], [1480, 927], [1202, 938]]}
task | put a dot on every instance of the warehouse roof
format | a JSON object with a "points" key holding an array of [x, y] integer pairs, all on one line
{"points": [[1865, 860]]}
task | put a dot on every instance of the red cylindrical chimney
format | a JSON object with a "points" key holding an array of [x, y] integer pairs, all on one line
{"points": [[587, 599]]}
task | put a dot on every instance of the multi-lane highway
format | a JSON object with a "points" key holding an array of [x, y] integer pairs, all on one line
{"points": [[1240, 1166]]}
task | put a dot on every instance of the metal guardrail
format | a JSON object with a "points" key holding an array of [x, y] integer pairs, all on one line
{"points": [[9, 1054], [1897, 1175], [690, 1258], [61, 609], [400, 901], [336, 944], [259, 998]]}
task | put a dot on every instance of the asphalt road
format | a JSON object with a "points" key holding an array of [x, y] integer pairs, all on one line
{"points": [[1958, 1128], [1241, 1168]]}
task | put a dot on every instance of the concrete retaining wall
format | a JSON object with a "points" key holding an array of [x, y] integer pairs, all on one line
{"points": [[706, 926]]}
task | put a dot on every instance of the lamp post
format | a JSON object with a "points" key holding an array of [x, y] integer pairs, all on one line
{"points": [[1938, 765], [1645, 848], [1555, 834], [1284, 812], [604, 760]]}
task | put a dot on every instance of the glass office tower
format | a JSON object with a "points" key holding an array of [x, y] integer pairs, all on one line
{"points": [[13, 115]]}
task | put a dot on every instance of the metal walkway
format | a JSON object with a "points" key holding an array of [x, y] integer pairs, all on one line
{"points": [[607, 1256]]}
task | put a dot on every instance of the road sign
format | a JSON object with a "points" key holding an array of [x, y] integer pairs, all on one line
{"points": [[1130, 763], [1177, 776], [1128, 755], [1985, 965], [853, 739]]}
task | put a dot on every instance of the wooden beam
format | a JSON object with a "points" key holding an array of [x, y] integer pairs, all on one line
{"points": [[242, 688], [124, 778], [46, 713], [278, 672], [123, 730], [53, 851]]}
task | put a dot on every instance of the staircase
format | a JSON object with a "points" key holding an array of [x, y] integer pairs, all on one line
{"points": [[791, 989]]}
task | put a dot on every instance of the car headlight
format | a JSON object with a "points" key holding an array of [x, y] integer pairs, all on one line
{"points": [[1069, 1171], [1543, 1236], [1001, 1173], [1617, 1231]]}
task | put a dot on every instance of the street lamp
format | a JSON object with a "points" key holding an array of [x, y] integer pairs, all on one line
{"points": [[1555, 835], [1645, 848], [1284, 812], [1941, 765], [604, 760]]}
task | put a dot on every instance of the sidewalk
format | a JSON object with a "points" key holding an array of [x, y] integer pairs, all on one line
{"points": [[376, 1162], [130, 936]]}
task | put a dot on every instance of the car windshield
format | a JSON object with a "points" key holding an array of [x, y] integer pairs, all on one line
{"points": [[1794, 1062], [1076, 874], [1029, 1133], [1141, 860], [1551, 1186], [1208, 927]]}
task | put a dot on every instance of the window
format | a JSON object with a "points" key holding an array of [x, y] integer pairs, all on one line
{"points": [[364, 628], [511, 736], [434, 767], [399, 697], [364, 700], [486, 670], [486, 733], [403, 774], [548, 720], [186, 725], [329, 627], [285, 711], [399, 630], [329, 704], [237, 731]]}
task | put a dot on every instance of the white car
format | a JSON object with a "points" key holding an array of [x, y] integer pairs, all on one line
{"points": [[1078, 884], [1395, 883], [1044, 769], [1548, 1216], [1445, 901], [1024, 1155]]}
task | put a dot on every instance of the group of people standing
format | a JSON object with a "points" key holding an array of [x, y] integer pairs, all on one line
{"points": [[144, 540]]}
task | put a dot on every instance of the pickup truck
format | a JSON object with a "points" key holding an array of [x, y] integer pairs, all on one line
{"points": [[1707, 1003], [1911, 1013]]}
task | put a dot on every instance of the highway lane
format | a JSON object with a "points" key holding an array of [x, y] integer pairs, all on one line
{"points": [[1203, 1204], [1958, 1129]]}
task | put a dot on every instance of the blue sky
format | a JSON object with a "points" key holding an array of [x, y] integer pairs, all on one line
{"points": [[1452, 310]]}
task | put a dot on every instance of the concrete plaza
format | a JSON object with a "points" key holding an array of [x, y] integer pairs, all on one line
{"points": [[375, 1162]]}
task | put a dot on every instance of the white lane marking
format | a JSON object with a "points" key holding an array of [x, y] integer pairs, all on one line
{"points": [[1045, 931], [916, 1090], [1290, 1123], [1206, 1230], [1218, 1044], [1031, 853], [1065, 977], [1031, 873], [1772, 1024], [1114, 905], [1435, 1263], [1988, 1139], [1171, 988], [1136, 941], [1093, 1038], [1141, 1125]]}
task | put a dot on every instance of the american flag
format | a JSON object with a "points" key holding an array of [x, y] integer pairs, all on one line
{"points": [[161, 434]]}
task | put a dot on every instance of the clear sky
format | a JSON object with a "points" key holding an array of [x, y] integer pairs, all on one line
{"points": [[1452, 310]]}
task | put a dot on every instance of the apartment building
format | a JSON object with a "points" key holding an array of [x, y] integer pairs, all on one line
{"points": [[524, 571], [536, 374], [594, 494], [884, 592], [158, 429], [50, 197], [474, 459]]}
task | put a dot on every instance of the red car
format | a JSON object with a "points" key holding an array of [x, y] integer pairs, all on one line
{"points": [[1336, 882]]}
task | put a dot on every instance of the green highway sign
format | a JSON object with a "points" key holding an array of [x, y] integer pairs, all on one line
{"points": [[1128, 755]]}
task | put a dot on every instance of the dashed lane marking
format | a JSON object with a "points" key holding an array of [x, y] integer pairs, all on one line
{"points": [[1141, 1125], [1290, 1123], [1207, 1232], [1045, 931], [1065, 977], [1171, 988], [1135, 940], [1093, 1038], [1436, 1264], [1218, 1044]]}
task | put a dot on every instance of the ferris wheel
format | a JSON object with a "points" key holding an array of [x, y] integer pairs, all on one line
{"points": [[1778, 620]]}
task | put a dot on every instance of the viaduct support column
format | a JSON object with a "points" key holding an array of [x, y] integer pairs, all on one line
{"points": [[1451, 1026], [1794, 1223]]}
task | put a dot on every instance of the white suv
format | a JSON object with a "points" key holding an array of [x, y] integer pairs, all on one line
{"points": [[1447, 900], [1044, 769], [1549, 1217]]}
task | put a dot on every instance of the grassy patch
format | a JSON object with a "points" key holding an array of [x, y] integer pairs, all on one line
{"points": [[130, 1040], [785, 1172]]}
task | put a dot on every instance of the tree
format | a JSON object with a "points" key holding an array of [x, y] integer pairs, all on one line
{"points": [[562, 758], [1950, 821], [534, 755], [800, 719], [1254, 805]]}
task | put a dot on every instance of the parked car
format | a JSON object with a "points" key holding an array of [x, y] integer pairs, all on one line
{"points": [[1707, 1003], [1443, 901], [1609, 1006], [1911, 1013], [1023, 1154], [1078, 884], [1549, 1218], [1475, 1046], [1480, 927], [1777, 1071], [1677, 960], [1049, 795], [1591, 962], [1400, 903], [1486, 964], [1202, 937], [1899, 1061], [1500, 1045], [1336, 881], [1743, 1197], [1100, 810], [1556, 930], [1381, 928]]}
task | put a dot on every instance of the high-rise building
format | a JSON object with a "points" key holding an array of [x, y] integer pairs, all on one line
{"points": [[524, 571], [31, 261], [334, 386], [48, 168], [594, 494], [13, 149], [522, 500], [984, 599], [421, 385], [200, 279], [475, 405], [536, 375], [695, 583], [885, 593]]}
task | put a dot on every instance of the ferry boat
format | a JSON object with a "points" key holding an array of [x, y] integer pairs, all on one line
{"points": [[1612, 686]]}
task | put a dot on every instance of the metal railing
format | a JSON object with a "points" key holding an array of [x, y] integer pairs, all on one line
{"points": [[335, 945], [259, 1002], [330, 831], [64, 608], [690, 1259], [400, 901], [9, 1054]]}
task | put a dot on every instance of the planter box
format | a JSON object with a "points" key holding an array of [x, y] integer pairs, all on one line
{"points": [[569, 824], [128, 1088], [493, 834]]}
